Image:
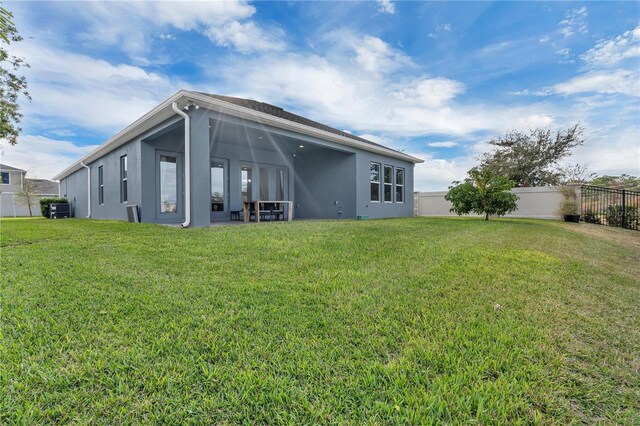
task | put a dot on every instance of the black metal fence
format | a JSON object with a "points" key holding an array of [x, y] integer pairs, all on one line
{"points": [[609, 206]]}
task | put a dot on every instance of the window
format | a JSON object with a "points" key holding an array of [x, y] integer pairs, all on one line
{"points": [[100, 185], [6, 180], [374, 179], [123, 179], [399, 185], [264, 183], [245, 189], [168, 184], [388, 184], [217, 186], [280, 184]]}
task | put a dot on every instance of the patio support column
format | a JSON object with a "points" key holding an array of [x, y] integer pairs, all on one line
{"points": [[200, 168]]}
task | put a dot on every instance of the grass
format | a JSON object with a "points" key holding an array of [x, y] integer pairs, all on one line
{"points": [[399, 321]]}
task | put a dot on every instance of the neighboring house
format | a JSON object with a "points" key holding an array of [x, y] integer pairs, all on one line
{"points": [[236, 150], [11, 205]]}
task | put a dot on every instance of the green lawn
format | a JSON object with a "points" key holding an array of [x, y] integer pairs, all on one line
{"points": [[356, 322]]}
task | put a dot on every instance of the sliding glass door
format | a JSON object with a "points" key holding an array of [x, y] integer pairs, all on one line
{"points": [[270, 182]]}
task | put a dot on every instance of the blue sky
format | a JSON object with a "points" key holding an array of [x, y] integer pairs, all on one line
{"points": [[436, 80]]}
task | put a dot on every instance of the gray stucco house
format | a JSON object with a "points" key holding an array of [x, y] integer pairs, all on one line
{"points": [[12, 180], [196, 157]]}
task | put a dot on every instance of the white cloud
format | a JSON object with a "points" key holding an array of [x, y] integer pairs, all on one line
{"points": [[611, 52], [574, 21], [444, 144], [131, 25], [613, 152], [386, 6], [544, 39], [87, 92], [336, 92], [566, 55], [619, 81], [440, 29], [437, 174], [40, 156], [246, 37], [383, 140], [375, 55], [370, 53]]}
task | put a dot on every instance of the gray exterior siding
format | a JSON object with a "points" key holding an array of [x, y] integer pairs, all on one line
{"points": [[381, 209], [326, 185], [324, 179], [74, 187]]}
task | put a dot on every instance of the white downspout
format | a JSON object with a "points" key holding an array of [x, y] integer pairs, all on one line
{"points": [[88, 189], [187, 165]]}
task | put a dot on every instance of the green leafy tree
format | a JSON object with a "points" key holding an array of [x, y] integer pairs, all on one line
{"points": [[623, 181], [483, 192], [12, 84], [533, 159]]}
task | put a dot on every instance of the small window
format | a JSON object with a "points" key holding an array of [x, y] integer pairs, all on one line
{"points": [[374, 179], [399, 185], [100, 185], [6, 180], [124, 193], [388, 184]]}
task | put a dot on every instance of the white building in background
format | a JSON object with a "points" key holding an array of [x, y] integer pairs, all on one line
{"points": [[11, 183]]}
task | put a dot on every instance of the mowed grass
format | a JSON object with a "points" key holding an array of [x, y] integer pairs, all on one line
{"points": [[401, 321]]}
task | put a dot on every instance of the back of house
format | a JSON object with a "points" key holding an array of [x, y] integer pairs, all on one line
{"points": [[198, 158]]}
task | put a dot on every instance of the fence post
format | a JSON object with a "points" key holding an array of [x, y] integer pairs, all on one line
{"points": [[624, 209]]}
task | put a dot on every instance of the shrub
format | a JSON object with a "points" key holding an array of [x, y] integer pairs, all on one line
{"points": [[483, 192], [613, 215], [591, 217], [569, 205], [44, 204]]}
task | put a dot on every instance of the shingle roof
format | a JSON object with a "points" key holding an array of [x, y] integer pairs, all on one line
{"points": [[6, 168], [46, 186], [281, 113]]}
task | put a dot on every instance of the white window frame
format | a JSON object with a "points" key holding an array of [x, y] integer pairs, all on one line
{"points": [[384, 183], [395, 192], [379, 182], [124, 181]]}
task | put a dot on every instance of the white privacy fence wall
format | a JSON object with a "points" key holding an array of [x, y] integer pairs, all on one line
{"points": [[536, 203]]}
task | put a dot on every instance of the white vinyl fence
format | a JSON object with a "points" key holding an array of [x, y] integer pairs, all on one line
{"points": [[12, 206], [535, 203]]}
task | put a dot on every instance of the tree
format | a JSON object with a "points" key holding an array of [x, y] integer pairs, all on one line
{"points": [[483, 192], [533, 159], [29, 193], [623, 181], [12, 85]]}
